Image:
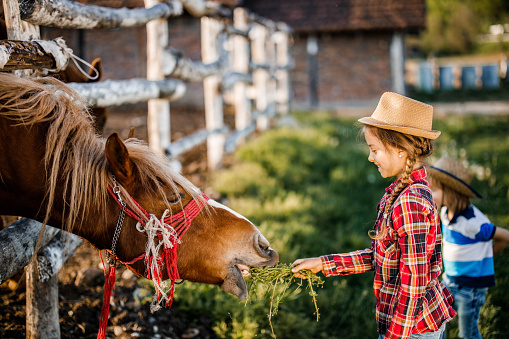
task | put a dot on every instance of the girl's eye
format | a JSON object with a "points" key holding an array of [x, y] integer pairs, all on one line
{"points": [[176, 198]]}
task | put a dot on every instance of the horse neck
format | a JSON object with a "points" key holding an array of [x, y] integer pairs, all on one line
{"points": [[24, 181], [21, 169]]}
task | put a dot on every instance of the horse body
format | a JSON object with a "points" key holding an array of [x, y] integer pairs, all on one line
{"points": [[54, 168]]}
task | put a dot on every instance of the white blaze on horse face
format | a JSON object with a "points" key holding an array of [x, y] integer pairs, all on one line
{"points": [[214, 203]]}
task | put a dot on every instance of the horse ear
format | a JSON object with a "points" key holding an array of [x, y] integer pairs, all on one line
{"points": [[118, 159], [131, 133], [97, 65]]}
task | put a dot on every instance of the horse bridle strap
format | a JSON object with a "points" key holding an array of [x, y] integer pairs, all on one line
{"points": [[168, 230]]}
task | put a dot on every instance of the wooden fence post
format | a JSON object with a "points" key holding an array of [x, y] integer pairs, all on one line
{"points": [[210, 32], [272, 81], [282, 73], [241, 65], [42, 305], [158, 119], [18, 29], [261, 75]]}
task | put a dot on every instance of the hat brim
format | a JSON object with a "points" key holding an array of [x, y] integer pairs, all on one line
{"points": [[402, 129], [453, 182]]}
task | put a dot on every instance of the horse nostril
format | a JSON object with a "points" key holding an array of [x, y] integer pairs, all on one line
{"points": [[263, 243]]}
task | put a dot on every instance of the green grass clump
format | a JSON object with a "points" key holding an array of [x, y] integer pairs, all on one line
{"points": [[275, 282]]}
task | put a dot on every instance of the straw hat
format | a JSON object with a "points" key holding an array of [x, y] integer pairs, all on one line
{"points": [[399, 113], [453, 174]]}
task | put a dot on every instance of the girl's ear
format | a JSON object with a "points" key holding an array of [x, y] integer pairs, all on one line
{"points": [[118, 158]]}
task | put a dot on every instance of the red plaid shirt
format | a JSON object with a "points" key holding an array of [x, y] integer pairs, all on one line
{"points": [[407, 263]]}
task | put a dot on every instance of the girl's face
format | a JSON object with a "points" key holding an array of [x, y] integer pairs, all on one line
{"points": [[386, 158]]}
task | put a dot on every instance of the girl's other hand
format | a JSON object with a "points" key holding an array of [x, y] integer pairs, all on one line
{"points": [[313, 264]]}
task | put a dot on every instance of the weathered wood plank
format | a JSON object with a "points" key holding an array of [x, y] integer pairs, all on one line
{"points": [[15, 54], [175, 65], [17, 243], [52, 257], [119, 92], [73, 15]]}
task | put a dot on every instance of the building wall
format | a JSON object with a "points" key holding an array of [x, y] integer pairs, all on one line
{"points": [[353, 68]]}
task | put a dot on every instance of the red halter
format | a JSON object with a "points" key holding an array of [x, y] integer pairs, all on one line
{"points": [[168, 229]]}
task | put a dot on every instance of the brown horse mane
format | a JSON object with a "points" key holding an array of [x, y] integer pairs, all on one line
{"points": [[74, 153]]}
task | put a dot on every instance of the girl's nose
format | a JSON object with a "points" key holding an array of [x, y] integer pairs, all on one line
{"points": [[370, 157]]}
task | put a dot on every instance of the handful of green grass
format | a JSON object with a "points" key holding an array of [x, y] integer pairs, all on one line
{"points": [[277, 280]]}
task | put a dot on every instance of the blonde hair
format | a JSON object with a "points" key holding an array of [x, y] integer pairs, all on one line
{"points": [[417, 148], [455, 201]]}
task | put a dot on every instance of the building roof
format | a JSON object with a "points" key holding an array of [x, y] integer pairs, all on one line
{"points": [[342, 15]]}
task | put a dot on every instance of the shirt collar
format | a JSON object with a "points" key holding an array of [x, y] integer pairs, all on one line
{"points": [[417, 175]]}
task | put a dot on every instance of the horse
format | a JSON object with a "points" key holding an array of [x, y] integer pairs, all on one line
{"points": [[55, 168]]}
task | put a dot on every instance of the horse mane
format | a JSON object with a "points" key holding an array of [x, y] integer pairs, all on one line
{"points": [[74, 153]]}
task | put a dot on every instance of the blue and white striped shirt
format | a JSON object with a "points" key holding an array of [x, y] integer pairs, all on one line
{"points": [[468, 248]]}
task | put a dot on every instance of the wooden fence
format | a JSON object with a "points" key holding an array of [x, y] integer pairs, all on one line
{"points": [[245, 59]]}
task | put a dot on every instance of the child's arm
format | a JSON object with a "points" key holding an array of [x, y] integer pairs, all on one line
{"points": [[337, 264], [501, 238]]}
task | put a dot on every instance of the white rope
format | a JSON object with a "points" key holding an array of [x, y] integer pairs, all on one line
{"points": [[61, 53], [152, 227]]}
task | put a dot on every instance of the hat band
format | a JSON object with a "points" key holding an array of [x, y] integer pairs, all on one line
{"points": [[456, 178]]}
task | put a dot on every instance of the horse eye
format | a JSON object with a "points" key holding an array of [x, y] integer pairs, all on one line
{"points": [[176, 198]]}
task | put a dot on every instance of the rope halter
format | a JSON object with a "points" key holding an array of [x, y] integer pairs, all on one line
{"points": [[168, 229]]}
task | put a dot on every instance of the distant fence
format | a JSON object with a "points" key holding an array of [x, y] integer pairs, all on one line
{"points": [[432, 76], [244, 57]]}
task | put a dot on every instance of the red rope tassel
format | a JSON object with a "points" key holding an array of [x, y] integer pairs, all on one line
{"points": [[109, 284], [170, 256]]}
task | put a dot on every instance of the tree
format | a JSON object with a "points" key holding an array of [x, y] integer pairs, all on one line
{"points": [[452, 27]]}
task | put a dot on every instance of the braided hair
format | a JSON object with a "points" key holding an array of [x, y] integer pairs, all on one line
{"points": [[417, 148]]}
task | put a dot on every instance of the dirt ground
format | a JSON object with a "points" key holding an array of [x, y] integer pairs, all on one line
{"points": [[81, 279]]}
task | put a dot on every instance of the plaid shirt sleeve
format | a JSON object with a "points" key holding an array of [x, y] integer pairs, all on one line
{"points": [[411, 221], [348, 263]]}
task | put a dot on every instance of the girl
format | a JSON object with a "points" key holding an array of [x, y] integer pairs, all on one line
{"points": [[405, 251]]}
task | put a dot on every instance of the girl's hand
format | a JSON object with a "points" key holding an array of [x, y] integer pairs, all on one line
{"points": [[313, 264]]}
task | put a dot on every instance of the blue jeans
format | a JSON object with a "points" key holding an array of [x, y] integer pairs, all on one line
{"points": [[468, 302], [427, 335]]}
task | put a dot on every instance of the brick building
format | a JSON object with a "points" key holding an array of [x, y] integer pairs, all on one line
{"points": [[345, 52]]}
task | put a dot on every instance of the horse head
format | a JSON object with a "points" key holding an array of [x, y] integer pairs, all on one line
{"points": [[216, 245]]}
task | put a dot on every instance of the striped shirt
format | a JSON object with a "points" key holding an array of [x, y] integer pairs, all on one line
{"points": [[468, 248], [407, 263]]}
